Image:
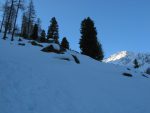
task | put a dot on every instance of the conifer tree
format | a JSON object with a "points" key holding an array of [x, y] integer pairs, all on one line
{"points": [[30, 14], [24, 31], [136, 64], [65, 43], [53, 30], [89, 44], [34, 35], [38, 22], [43, 36]]}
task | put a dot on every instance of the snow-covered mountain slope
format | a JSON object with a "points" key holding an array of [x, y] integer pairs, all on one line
{"points": [[32, 81], [126, 58]]}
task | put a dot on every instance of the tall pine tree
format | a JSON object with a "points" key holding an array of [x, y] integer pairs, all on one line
{"points": [[24, 30], [34, 34], [65, 43], [30, 14], [89, 44], [53, 30]]}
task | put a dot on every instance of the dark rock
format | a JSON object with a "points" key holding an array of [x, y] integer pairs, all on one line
{"points": [[21, 44], [128, 69], [145, 76], [76, 59], [36, 44], [19, 39], [127, 74], [148, 71], [67, 59]]}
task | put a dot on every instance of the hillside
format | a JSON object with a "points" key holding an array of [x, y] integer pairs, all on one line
{"points": [[126, 58], [32, 81]]}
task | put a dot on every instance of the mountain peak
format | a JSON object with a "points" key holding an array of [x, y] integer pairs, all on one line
{"points": [[126, 58], [117, 56]]}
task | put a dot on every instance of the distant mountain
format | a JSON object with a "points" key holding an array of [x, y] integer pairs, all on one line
{"points": [[126, 58]]}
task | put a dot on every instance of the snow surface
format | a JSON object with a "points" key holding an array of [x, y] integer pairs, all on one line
{"points": [[32, 81], [126, 58]]}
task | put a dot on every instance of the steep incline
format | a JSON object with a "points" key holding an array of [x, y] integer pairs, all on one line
{"points": [[32, 81]]}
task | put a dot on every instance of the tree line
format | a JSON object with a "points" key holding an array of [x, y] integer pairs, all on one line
{"points": [[31, 29]]}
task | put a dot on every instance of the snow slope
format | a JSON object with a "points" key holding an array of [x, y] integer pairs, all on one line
{"points": [[32, 81], [126, 58]]}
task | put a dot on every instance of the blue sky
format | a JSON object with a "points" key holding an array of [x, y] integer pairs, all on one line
{"points": [[121, 24]]}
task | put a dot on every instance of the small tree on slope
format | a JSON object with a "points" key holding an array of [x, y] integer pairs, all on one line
{"points": [[43, 36], [136, 64], [65, 43], [53, 31], [89, 44]]}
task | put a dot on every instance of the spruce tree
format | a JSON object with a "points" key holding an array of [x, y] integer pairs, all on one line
{"points": [[38, 22], [30, 14], [24, 31], [89, 44], [34, 35], [136, 64], [53, 30], [65, 43], [43, 36]]}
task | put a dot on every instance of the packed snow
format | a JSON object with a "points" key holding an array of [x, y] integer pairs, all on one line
{"points": [[32, 81]]}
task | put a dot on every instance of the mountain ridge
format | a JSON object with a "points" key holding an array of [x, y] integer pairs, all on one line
{"points": [[126, 58]]}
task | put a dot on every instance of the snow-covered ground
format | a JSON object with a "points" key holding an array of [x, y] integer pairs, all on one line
{"points": [[32, 81], [126, 58]]}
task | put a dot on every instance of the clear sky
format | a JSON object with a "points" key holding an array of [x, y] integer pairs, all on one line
{"points": [[121, 24]]}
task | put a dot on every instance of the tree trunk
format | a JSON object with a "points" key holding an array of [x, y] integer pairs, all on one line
{"points": [[7, 23], [2, 22], [12, 38], [3, 16]]}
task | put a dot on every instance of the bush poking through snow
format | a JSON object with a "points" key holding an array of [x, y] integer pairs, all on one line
{"points": [[148, 71], [127, 74], [36, 44], [19, 39]]}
